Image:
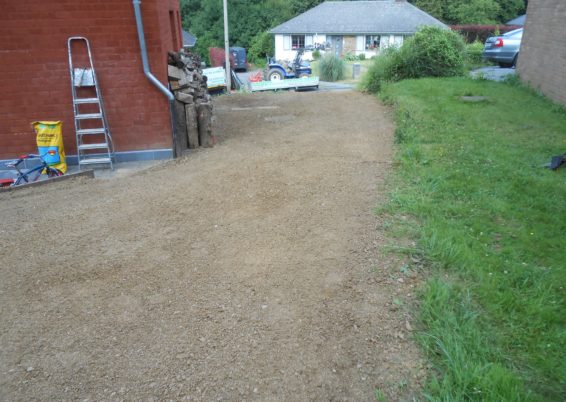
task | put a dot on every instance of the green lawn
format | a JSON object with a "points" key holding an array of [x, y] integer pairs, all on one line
{"points": [[490, 224]]}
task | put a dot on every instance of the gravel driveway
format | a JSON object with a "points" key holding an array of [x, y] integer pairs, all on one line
{"points": [[249, 271]]}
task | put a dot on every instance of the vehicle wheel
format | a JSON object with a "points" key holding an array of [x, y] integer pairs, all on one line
{"points": [[504, 65], [275, 75]]}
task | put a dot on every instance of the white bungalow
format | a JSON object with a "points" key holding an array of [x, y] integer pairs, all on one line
{"points": [[353, 27]]}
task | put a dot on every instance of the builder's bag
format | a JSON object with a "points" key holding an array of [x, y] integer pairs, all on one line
{"points": [[50, 143]]}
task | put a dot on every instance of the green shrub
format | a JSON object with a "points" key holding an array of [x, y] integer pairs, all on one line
{"points": [[432, 52], [261, 47], [387, 67], [316, 54], [474, 53], [260, 63], [350, 57], [362, 56], [331, 67]]}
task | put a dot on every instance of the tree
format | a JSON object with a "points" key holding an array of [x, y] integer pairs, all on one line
{"points": [[246, 19], [472, 11], [204, 19], [478, 12], [436, 8], [262, 46], [250, 18], [300, 6], [509, 9]]}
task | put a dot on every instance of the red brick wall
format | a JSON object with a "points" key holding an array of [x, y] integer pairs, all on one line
{"points": [[34, 71], [542, 59]]}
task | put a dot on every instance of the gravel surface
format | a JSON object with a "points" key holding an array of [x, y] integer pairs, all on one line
{"points": [[248, 271], [493, 73]]}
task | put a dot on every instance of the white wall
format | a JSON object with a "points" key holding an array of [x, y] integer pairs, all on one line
{"points": [[391, 40], [319, 38], [385, 42], [361, 47], [283, 49]]}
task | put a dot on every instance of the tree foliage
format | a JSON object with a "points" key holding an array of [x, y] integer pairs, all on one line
{"points": [[246, 20], [250, 19], [261, 47], [472, 11]]}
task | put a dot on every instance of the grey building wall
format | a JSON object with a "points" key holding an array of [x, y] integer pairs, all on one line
{"points": [[542, 59]]}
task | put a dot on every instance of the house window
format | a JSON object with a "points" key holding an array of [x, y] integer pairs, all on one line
{"points": [[372, 42], [297, 41]]}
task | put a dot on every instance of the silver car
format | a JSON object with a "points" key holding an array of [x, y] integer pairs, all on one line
{"points": [[503, 49]]}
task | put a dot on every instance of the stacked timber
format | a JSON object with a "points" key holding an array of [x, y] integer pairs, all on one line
{"points": [[193, 103]]}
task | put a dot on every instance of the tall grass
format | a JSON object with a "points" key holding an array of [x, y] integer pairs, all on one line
{"points": [[491, 225], [387, 67], [331, 68]]}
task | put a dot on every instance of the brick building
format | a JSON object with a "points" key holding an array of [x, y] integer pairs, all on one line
{"points": [[543, 49], [35, 80]]}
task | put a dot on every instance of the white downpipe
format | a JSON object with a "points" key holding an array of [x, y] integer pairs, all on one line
{"points": [[143, 48], [147, 71]]}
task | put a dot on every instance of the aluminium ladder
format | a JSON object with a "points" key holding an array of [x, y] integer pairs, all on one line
{"points": [[94, 140]]}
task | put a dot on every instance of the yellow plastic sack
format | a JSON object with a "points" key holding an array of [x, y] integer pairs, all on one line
{"points": [[50, 143]]}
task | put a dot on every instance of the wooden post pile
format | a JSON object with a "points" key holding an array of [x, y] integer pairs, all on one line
{"points": [[193, 103]]}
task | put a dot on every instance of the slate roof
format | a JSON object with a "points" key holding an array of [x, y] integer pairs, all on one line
{"points": [[189, 40], [359, 17], [520, 20]]}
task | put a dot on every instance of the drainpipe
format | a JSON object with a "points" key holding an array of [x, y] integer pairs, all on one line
{"points": [[150, 76]]}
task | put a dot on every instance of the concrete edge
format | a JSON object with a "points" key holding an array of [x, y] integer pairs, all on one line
{"points": [[85, 173], [122, 156]]}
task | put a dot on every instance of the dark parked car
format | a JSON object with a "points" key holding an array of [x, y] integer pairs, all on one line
{"points": [[240, 58], [504, 49]]}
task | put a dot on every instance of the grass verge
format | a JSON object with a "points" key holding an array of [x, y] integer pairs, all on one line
{"points": [[491, 225]]}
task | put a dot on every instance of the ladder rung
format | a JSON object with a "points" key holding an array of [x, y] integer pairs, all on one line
{"points": [[102, 145], [85, 131], [92, 161], [86, 100], [86, 77], [88, 116]]}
